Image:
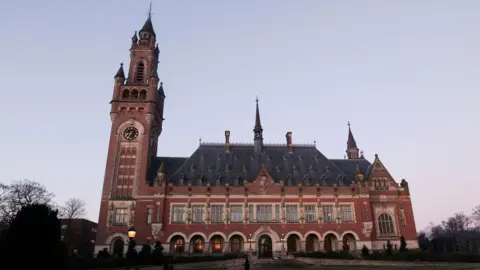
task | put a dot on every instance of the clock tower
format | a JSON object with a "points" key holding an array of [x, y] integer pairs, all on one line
{"points": [[137, 116]]}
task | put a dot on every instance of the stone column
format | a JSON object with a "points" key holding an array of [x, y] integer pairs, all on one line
{"points": [[321, 244]]}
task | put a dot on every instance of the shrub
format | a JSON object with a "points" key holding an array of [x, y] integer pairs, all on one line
{"points": [[205, 258], [327, 255], [403, 244], [157, 255], [145, 255], [389, 250], [365, 251]]}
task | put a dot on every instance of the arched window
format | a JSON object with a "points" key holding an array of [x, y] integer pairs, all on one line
{"points": [[125, 94], [134, 94], [178, 245], [143, 95], [385, 224], [217, 245], [139, 72]]}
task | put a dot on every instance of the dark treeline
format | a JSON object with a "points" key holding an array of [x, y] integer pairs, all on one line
{"points": [[458, 233]]}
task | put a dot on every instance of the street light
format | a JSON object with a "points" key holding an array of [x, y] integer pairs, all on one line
{"points": [[131, 233], [131, 247], [250, 240]]}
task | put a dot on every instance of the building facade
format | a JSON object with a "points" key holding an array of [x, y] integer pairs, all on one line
{"points": [[79, 235], [236, 197]]}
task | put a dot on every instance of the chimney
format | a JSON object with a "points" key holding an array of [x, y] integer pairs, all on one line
{"points": [[289, 142], [227, 141]]}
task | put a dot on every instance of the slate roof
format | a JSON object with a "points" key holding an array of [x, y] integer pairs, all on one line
{"points": [[210, 163]]}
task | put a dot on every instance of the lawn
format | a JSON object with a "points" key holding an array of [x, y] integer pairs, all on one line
{"points": [[456, 266]]}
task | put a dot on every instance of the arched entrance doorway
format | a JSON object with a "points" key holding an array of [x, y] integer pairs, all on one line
{"points": [[265, 247], [348, 242], [312, 243], [293, 243], [177, 245], [216, 244], [197, 244], [118, 247], [236, 244], [331, 242]]}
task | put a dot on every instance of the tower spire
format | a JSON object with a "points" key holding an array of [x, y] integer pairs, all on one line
{"points": [[150, 10], [258, 131], [352, 149]]}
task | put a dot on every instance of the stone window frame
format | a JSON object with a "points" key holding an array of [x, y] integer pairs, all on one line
{"points": [[203, 207], [212, 205], [352, 208], [241, 214], [333, 216], [314, 212], [297, 206], [172, 205]]}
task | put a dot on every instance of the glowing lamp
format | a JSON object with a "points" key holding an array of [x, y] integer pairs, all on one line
{"points": [[131, 232]]}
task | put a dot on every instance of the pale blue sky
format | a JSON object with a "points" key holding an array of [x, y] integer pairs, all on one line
{"points": [[405, 73]]}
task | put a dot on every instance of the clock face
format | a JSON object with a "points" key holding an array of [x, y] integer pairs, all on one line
{"points": [[130, 133]]}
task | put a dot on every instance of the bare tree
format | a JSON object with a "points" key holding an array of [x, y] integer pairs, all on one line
{"points": [[19, 194], [476, 215], [73, 208], [459, 222]]}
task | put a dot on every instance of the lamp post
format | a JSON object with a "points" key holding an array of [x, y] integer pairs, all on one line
{"points": [[250, 241], [283, 240], [131, 246]]}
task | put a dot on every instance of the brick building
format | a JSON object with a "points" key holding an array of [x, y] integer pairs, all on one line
{"points": [[79, 235], [229, 197]]}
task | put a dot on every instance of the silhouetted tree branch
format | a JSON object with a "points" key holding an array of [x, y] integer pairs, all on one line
{"points": [[20, 194]]}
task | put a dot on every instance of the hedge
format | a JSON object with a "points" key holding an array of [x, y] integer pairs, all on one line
{"points": [[411, 255]]}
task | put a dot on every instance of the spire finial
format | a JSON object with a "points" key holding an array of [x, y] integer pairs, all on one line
{"points": [[348, 124], [150, 10], [256, 99], [161, 84]]}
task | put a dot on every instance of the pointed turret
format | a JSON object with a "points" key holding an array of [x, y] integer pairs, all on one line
{"points": [[352, 149], [148, 27], [258, 132], [120, 73], [160, 90], [134, 40]]}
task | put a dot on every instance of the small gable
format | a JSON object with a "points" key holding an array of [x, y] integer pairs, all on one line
{"points": [[379, 177]]}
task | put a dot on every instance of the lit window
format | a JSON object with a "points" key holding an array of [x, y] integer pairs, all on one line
{"points": [[121, 216]]}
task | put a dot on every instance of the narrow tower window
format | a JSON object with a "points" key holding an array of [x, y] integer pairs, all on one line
{"points": [[139, 72], [143, 95], [125, 94], [134, 94]]}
